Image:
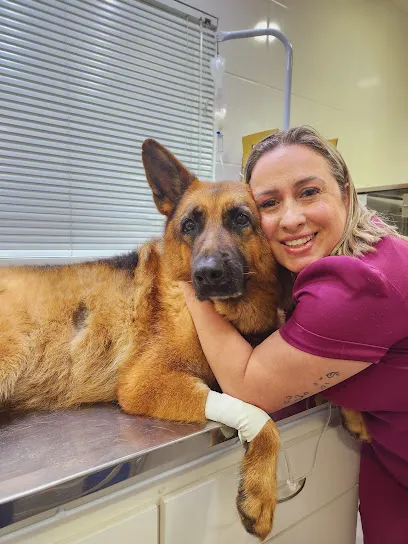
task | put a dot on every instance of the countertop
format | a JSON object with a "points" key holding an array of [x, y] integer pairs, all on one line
{"points": [[49, 459]]}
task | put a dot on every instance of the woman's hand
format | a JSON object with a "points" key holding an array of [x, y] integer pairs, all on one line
{"points": [[189, 294], [193, 304], [202, 311]]}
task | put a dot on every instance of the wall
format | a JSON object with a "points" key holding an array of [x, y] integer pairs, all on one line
{"points": [[349, 80]]}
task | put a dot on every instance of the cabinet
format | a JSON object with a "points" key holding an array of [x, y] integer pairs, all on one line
{"points": [[335, 523], [204, 513], [101, 526], [196, 504]]}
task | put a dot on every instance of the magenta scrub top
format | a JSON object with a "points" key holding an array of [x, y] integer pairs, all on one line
{"points": [[357, 309]]}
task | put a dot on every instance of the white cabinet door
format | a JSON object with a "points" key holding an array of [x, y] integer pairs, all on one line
{"points": [[332, 524], [205, 512], [98, 527], [140, 528]]}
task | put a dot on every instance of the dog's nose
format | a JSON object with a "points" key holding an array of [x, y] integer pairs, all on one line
{"points": [[209, 271]]}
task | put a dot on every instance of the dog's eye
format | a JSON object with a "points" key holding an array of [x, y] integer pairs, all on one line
{"points": [[241, 219], [188, 226]]}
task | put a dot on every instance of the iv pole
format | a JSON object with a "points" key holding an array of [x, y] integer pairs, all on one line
{"points": [[238, 34]]}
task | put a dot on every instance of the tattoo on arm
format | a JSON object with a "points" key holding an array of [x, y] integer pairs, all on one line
{"points": [[322, 383], [332, 374]]}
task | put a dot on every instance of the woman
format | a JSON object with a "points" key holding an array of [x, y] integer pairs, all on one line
{"points": [[348, 330]]}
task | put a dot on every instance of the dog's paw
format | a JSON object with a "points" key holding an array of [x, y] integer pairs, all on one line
{"points": [[257, 492], [354, 425], [256, 509]]}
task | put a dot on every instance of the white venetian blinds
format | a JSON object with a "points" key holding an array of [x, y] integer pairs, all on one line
{"points": [[82, 84]]}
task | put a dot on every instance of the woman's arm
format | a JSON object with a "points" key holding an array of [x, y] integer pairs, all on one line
{"points": [[274, 374]]}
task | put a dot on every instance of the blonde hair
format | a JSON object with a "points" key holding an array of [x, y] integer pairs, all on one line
{"points": [[361, 232]]}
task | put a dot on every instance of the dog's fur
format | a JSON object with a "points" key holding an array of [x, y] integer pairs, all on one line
{"points": [[119, 328]]}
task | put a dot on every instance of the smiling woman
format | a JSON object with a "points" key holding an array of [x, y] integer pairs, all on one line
{"points": [[346, 334], [303, 216]]}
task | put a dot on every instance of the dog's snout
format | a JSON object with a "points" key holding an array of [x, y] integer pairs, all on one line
{"points": [[209, 271], [218, 275]]}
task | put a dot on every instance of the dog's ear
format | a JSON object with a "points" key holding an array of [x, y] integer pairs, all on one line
{"points": [[167, 177]]}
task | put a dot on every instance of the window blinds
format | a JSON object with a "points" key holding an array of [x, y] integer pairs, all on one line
{"points": [[82, 84]]}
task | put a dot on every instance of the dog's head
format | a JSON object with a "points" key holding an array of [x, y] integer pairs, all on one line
{"points": [[213, 235]]}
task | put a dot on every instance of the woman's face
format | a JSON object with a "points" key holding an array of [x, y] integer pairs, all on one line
{"points": [[303, 212]]}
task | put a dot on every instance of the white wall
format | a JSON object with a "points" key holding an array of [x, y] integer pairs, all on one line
{"points": [[350, 79]]}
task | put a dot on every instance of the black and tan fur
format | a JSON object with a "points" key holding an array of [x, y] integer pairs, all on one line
{"points": [[119, 328]]}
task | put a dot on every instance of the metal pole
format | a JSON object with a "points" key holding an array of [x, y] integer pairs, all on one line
{"points": [[238, 34]]}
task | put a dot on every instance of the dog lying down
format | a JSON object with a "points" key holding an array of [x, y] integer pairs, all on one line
{"points": [[119, 329]]}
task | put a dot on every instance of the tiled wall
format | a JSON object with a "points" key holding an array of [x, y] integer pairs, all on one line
{"points": [[350, 79]]}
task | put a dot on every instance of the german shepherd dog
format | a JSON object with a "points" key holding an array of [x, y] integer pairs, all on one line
{"points": [[119, 329]]}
